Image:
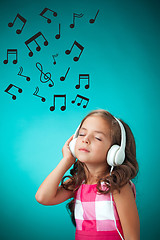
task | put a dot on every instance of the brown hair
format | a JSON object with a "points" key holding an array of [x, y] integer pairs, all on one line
{"points": [[120, 174]]}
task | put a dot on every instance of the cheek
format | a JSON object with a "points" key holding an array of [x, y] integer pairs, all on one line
{"points": [[77, 144]]}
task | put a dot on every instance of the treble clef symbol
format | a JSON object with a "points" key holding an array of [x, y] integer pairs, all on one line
{"points": [[47, 76]]}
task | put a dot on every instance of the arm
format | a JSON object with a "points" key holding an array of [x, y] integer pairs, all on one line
{"points": [[128, 213], [49, 192]]}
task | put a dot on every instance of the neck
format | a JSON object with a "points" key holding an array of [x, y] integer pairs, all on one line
{"points": [[94, 173]]}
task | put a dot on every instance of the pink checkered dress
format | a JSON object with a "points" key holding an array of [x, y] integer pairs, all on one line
{"points": [[94, 215]]}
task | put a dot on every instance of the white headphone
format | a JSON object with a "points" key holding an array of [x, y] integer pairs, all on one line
{"points": [[116, 153]]}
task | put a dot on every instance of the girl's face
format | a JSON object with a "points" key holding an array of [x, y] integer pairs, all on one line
{"points": [[93, 141]]}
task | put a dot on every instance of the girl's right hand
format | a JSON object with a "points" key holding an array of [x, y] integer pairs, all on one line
{"points": [[66, 151]]}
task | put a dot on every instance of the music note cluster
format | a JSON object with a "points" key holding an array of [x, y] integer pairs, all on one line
{"points": [[12, 54]]}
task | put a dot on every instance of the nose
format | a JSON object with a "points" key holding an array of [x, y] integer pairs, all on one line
{"points": [[85, 139]]}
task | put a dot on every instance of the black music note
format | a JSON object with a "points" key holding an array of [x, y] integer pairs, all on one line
{"points": [[11, 51], [56, 55], [20, 74], [38, 48], [82, 98], [59, 34], [63, 78], [47, 76], [18, 31], [83, 76], [77, 45], [44, 11], [63, 107], [9, 87], [93, 20], [35, 94], [75, 15]]}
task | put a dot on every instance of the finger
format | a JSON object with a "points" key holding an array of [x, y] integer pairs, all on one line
{"points": [[68, 141]]}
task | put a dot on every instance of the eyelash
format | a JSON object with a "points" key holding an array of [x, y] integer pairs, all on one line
{"points": [[95, 137]]}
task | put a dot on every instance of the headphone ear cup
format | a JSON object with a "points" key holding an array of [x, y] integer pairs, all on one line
{"points": [[72, 145], [120, 156], [111, 156]]}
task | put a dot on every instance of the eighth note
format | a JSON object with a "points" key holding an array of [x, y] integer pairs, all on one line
{"points": [[22, 19], [75, 15], [11, 51], [35, 94], [63, 107], [20, 74], [63, 78], [44, 11], [9, 87], [77, 45], [93, 20], [83, 76], [56, 55]]}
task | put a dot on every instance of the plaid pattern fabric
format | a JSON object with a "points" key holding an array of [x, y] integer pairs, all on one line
{"points": [[93, 212]]}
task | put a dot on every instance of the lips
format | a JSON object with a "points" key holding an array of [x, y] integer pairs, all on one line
{"points": [[83, 150]]}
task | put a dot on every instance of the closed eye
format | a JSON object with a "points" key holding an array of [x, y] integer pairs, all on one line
{"points": [[98, 139], [81, 134]]}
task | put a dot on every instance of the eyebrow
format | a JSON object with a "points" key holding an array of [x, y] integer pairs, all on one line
{"points": [[94, 131]]}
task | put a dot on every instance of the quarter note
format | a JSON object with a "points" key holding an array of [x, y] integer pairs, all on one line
{"points": [[82, 98], [9, 87], [47, 76], [18, 31], [11, 51], [56, 55], [35, 94], [93, 20], [81, 77], [63, 107], [77, 45], [75, 15], [63, 78], [44, 11], [59, 34], [20, 74], [38, 48]]}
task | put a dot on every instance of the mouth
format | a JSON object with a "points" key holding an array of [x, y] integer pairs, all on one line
{"points": [[83, 150]]}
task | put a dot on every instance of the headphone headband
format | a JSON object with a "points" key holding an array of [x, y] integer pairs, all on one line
{"points": [[123, 134]]}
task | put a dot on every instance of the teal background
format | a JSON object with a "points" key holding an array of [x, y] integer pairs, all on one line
{"points": [[121, 54]]}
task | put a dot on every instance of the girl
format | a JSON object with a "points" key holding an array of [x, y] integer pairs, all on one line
{"points": [[103, 203]]}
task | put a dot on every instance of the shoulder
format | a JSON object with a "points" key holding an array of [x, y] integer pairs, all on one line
{"points": [[127, 191], [127, 211]]}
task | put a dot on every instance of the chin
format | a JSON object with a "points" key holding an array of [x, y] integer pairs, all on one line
{"points": [[82, 159]]}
